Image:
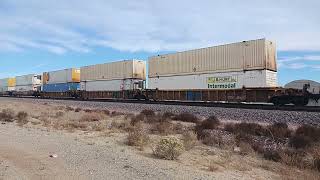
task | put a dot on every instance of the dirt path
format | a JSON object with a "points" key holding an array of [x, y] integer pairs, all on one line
{"points": [[31, 166]]}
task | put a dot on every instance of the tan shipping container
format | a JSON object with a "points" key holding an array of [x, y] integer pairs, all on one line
{"points": [[61, 76], [128, 69], [247, 55]]}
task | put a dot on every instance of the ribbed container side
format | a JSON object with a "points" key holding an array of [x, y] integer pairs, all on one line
{"points": [[247, 55], [31, 79], [61, 76], [4, 82], [128, 69], [112, 85], [61, 87], [11, 82], [24, 88], [221, 80]]}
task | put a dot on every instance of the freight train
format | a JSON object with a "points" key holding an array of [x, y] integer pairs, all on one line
{"points": [[238, 72]]}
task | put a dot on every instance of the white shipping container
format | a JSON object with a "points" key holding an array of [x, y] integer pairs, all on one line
{"points": [[112, 85], [128, 69], [247, 55], [11, 88], [4, 85], [31, 79], [229, 80], [24, 88], [61, 76]]}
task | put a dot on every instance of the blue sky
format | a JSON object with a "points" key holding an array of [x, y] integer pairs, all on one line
{"points": [[37, 35]]}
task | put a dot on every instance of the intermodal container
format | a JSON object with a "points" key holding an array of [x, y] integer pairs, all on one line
{"points": [[61, 87], [242, 56], [11, 82], [71, 75], [128, 69]]}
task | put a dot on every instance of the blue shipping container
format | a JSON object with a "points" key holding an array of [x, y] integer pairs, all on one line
{"points": [[62, 87], [193, 96]]}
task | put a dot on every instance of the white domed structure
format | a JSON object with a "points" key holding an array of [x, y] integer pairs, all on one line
{"points": [[314, 87]]}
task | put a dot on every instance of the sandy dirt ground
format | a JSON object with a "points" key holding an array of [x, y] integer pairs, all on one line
{"points": [[25, 154]]}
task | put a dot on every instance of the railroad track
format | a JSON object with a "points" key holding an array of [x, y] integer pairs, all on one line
{"points": [[201, 104]]}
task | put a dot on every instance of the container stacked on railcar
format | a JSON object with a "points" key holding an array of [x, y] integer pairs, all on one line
{"points": [[7, 85], [250, 64], [113, 80], [114, 76], [244, 71], [61, 80], [28, 83]]}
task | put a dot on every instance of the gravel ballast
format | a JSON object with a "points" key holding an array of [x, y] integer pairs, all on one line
{"points": [[226, 114]]}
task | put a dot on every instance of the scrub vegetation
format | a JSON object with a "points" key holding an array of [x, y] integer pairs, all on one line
{"points": [[212, 144]]}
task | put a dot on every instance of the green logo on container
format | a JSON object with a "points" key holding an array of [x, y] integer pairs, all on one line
{"points": [[226, 82]]}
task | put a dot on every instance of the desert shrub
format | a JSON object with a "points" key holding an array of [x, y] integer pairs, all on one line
{"points": [[316, 163], [169, 148], [77, 109], [97, 127], [72, 125], [179, 128], [121, 125], [218, 138], [212, 166], [243, 137], [59, 114], [22, 118], [90, 117], [213, 140], [245, 148], [313, 133], [69, 108], [246, 128], [300, 141], [7, 115], [138, 137], [210, 123], [88, 110], [105, 111], [136, 119], [163, 127], [272, 155], [148, 112], [230, 127], [189, 140], [168, 115], [292, 158], [186, 117], [115, 113], [279, 130]]}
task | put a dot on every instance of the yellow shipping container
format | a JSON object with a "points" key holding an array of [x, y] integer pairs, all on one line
{"points": [[11, 82], [75, 75], [45, 78]]}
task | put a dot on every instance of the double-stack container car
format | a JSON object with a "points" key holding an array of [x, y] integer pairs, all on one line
{"points": [[238, 72], [113, 80], [232, 72], [7, 85], [61, 80], [27, 84]]}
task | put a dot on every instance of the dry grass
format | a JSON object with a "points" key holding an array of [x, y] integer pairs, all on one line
{"points": [[138, 137], [186, 117], [279, 130], [91, 117], [59, 114], [22, 118], [212, 166], [189, 140], [210, 123], [7, 115]]}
